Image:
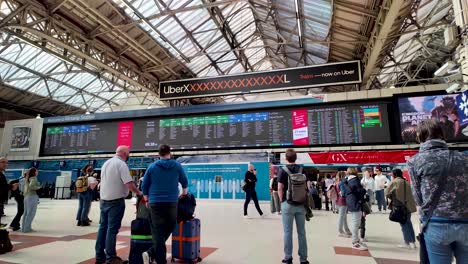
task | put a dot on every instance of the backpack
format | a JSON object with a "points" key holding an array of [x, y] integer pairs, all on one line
{"points": [[186, 208], [274, 185], [297, 187], [81, 184], [5, 242], [331, 193]]}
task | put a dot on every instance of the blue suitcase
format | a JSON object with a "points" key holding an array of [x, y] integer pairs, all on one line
{"points": [[186, 241]]}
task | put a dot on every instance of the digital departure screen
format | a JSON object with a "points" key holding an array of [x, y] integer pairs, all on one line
{"points": [[360, 123], [451, 110]]}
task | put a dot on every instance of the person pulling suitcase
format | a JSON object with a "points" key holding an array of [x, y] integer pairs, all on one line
{"points": [[161, 188]]}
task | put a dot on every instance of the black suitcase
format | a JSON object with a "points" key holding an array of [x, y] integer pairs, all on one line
{"points": [[141, 238]]}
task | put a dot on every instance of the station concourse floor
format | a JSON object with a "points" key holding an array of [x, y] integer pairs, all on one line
{"points": [[226, 236]]}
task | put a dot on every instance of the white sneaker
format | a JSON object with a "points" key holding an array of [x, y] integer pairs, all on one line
{"points": [[404, 246], [359, 246], [246, 217], [146, 258], [278, 213], [362, 240], [412, 245]]}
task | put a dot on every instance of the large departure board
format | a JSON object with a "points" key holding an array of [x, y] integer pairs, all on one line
{"points": [[358, 123]]}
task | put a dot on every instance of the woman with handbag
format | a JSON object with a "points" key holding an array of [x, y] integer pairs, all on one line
{"points": [[399, 191], [438, 179]]}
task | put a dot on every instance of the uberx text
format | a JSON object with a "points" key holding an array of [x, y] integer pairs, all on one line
{"points": [[180, 89]]}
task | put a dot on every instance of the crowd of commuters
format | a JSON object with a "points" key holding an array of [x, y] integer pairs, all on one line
{"points": [[437, 192]]}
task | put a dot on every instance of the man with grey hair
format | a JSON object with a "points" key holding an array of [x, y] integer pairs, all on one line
{"points": [[115, 183]]}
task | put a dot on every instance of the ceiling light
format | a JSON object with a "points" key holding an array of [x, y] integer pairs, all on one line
{"points": [[453, 88], [38, 116], [392, 87], [444, 69]]}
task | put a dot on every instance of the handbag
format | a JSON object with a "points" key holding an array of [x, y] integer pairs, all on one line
{"points": [[399, 211], [366, 208], [423, 254], [244, 186]]}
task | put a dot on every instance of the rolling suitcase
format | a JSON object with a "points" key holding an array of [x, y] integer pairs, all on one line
{"points": [[141, 239], [186, 241]]}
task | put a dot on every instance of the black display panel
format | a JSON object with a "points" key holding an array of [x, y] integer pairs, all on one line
{"points": [[322, 124], [448, 109]]}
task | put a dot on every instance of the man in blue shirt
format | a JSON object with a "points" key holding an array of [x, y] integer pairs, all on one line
{"points": [[161, 188]]}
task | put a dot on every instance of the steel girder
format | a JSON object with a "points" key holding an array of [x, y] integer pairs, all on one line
{"points": [[34, 23], [391, 18]]}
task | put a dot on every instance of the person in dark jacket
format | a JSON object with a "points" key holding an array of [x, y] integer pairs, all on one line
{"points": [[5, 187], [19, 198], [250, 193], [160, 188], [355, 195], [447, 229]]}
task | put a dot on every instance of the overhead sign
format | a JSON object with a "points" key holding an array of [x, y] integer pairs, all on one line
{"points": [[295, 78], [354, 157]]}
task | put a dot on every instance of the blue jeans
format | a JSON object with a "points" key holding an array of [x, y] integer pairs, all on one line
{"points": [[342, 219], [30, 208], [408, 231], [381, 202], [444, 240], [84, 199], [355, 223], [289, 213], [112, 213]]}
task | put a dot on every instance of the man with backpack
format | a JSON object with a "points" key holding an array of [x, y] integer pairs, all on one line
{"points": [[84, 188], [292, 192], [160, 188]]}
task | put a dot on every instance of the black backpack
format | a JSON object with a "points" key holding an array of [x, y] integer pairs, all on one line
{"points": [[186, 208], [5, 242], [274, 185]]}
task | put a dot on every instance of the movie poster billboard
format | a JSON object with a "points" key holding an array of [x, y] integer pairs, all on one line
{"points": [[443, 108], [20, 138]]}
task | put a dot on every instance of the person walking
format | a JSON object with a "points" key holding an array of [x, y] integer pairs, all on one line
{"points": [[291, 211], [85, 195], [399, 191], [380, 182], [160, 189], [19, 198], [438, 181], [343, 229], [250, 193], [355, 195], [31, 185], [115, 184]]}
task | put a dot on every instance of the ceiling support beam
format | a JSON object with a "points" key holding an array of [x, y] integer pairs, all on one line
{"points": [[385, 21]]}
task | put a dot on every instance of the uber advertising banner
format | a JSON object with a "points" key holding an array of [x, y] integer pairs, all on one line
{"points": [[295, 78]]}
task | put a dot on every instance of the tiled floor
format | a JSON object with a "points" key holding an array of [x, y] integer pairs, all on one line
{"points": [[226, 237]]}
